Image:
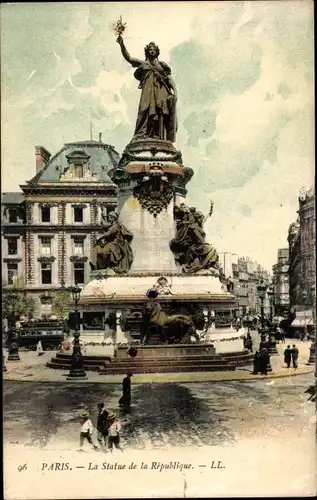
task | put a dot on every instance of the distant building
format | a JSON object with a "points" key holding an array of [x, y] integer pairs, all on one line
{"points": [[50, 228], [246, 275], [306, 214], [281, 282], [294, 263]]}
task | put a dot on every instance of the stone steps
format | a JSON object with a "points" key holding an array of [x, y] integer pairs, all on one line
{"points": [[221, 362]]}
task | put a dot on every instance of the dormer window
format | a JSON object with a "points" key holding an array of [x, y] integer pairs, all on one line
{"points": [[78, 164], [79, 170]]}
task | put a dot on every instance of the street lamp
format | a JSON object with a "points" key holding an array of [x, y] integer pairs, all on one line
{"points": [[271, 292], [304, 297], [261, 288], [77, 371], [312, 350]]}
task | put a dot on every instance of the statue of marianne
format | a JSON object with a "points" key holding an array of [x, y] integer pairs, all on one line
{"points": [[157, 109]]}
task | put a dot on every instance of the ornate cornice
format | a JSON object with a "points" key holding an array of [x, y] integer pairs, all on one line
{"points": [[78, 258], [45, 260], [12, 259], [48, 204], [79, 205]]}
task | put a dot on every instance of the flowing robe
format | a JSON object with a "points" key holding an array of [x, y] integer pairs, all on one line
{"points": [[157, 107], [113, 249]]}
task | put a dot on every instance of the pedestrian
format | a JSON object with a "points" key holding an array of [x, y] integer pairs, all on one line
{"points": [[256, 363], [86, 430], [125, 400], [288, 356], [114, 432], [294, 353], [102, 425], [39, 348], [264, 361], [283, 336]]}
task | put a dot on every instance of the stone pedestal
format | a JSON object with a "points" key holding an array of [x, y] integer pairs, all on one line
{"points": [[167, 351]]}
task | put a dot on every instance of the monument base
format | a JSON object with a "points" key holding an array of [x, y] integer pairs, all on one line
{"points": [[166, 351]]}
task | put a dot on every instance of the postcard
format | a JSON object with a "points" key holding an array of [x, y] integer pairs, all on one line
{"points": [[158, 249]]}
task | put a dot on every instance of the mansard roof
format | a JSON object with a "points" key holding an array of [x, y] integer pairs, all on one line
{"points": [[12, 198], [102, 158]]}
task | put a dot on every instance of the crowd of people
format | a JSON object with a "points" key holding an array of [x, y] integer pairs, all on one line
{"points": [[108, 426]]}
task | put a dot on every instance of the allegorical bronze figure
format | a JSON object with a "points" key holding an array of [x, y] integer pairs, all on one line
{"points": [[157, 109], [113, 250], [189, 246]]}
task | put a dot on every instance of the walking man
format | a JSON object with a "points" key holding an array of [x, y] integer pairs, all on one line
{"points": [[264, 361], [114, 433], [294, 353], [256, 363], [102, 425], [288, 356], [86, 430], [125, 400]]}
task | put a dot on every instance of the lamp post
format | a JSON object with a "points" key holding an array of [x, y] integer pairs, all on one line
{"points": [[312, 350], [261, 288], [77, 371], [304, 297], [271, 294]]}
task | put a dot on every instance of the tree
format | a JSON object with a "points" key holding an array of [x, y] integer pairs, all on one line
{"points": [[15, 303], [61, 304]]}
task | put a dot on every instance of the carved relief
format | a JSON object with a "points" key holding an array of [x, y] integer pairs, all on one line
{"points": [[154, 194]]}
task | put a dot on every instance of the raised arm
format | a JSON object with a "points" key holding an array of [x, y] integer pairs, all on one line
{"points": [[126, 55]]}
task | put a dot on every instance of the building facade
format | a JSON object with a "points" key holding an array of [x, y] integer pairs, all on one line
{"points": [[281, 282], [306, 215], [302, 252], [49, 230], [246, 275]]}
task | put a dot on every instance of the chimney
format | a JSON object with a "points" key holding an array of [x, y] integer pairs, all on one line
{"points": [[42, 157], [100, 136]]}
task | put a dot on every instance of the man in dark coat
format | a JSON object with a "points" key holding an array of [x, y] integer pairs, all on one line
{"points": [[125, 400], [256, 363], [294, 353], [102, 425], [264, 361], [288, 356]]}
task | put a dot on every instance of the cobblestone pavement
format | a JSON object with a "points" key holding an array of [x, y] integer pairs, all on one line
{"points": [[44, 415]]}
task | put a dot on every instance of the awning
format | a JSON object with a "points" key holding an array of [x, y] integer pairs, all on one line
{"points": [[303, 318]]}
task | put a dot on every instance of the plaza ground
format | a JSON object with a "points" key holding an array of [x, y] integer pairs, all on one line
{"points": [[258, 428], [32, 368], [262, 431]]}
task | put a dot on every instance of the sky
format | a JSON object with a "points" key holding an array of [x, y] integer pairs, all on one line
{"points": [[244, 73]]}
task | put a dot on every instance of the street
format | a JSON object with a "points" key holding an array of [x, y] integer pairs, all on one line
{"points": [[162, 415]]}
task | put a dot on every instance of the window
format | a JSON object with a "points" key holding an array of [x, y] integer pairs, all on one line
{"points": [[79, 272], [78, 246], [12, 273], [13, 215], [79, 170], [12, 246], [46, 214], [78, 214], [46, 246], [46, 274]]}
